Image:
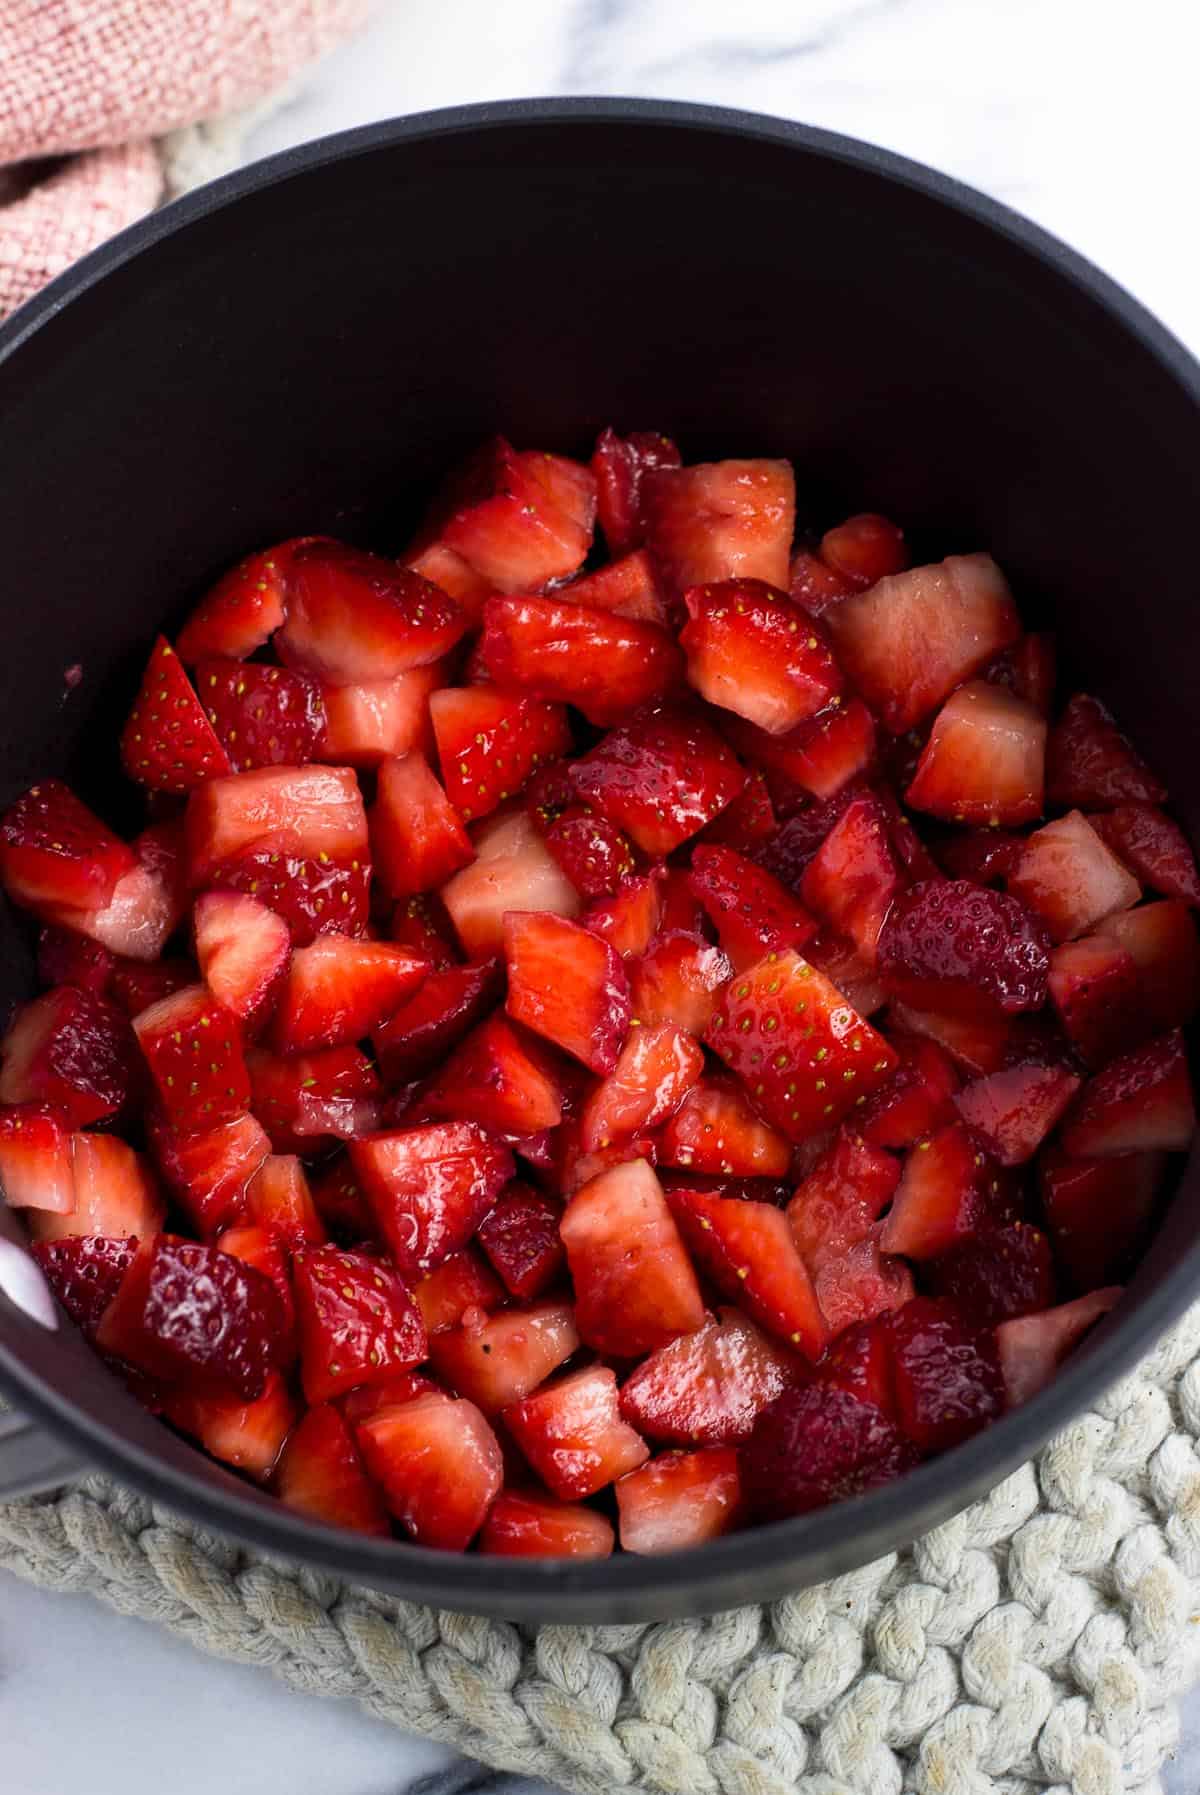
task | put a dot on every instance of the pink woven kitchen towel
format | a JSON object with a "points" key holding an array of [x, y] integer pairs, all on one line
{"points": [[97, 81]]}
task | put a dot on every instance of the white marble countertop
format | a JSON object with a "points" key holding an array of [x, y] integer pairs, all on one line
{"points": [[1077, 112]]}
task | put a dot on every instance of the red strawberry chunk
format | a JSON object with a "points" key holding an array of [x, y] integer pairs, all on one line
{"points": [[847, 967], [313, 896], [572, 1168], [820, 756], [504, 1358], [513, 870], [489, 742], [459, 1284], [568, 485], [365, 723], [338, 1199], [192, 1047], [1029, 669], [948, 1191], [948, 1381], [168, 743], [815, 585], [958, 948], [430, 1187], [1140, 1103], [369, 1399], [65, 958], [195, 1316], [985, 856], [524, 1526], [984, 761], [353, 617], [1094, 990], [35, 1158], [421, 924], [515, 519], [114, 1195], [209, 1172], [1098, 1211], [802, 1052], [715, 1129], [1069, 878], [55, 855], [498, 1078], [1153, 847], [305, 1097], [1013, 1110], [417, 836], [603, 664], [661, 778], [262, 716], [439, 1466], [630, 920], [634, 1284], [865, 548], [746, 823], [679, 980], [339, 989], [628, 586], [279, 1200], [658, 1066], [244, 609], [443, 567], [243, 950], [1089, 762], [620, 465], [71, 1049], [752, 651], [572, 1433], [840, 1200], [753, 913], [914, 1101], [85, 1272], [1162, 941], [707, 1388], [259, 1247], [975, 1043], [358, 1322], [852, 879], [438, 1014], [859, 1361], [815, 1446], [321, 1475], [860, 1284], [568, 986], [593, 854], [1032, 1347], [756, 1190], [520, 1236], [721, 520], [1004, 1273], [679, 1499], [308, 812], [247, 1435], [747, 1250]]}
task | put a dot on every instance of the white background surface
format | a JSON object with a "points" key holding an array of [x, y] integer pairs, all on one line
{"points": [[1081, 113]]}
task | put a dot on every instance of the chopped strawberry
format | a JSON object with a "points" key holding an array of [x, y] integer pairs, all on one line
{"points": [[421, 924], [339, 989], [528, 1526], [168, 743], [338, 1200], [430, 1187], [572, 1433], [975, 1043], [147, 904], [84, 1271], [443, 567], [1098, 1211], [629, 586], [520, 1236], [865, 548], [504, 514], [195, 1316], [915, 1100], [748, 1251], [308, 812], [820, 756], [1094, 990], [1029, 669], [399, 1386], [489, 742], [603, 664], [660, 778], [262, 716], [745, 1189], [634, 1285], [244, 609], [679, 980], [304, 1098], [1013, 1110], [497, 1077], [417, 836], [247, 1435], [513, 870], [243, 950], [752, 651], [366, 723], [209, 1172], [459, 1284], [985, 856], [679, 1499], [658, 1066], [568, 986], [438, 1014], [1069, 878], [193, 1050], [259, 1247], [505, 1358], [1140, 1103], [313, 896], [721, 520], [358, 1323], [55, 856], [353, 617], [71, 1049], [818, 1445], [35, 1158], [852, 879], [1002, 1273], [958, 948], [439, 1466], [948, 1382], [620, 465], [815, 585], [715, 1129], [65, 958], [753, 913], [984, 761], [948, 1190], [841, 1199], [279, 1199], [1032, 1347], [859, 1361], [912, 637], [572, 1168], [593, 854], [136, 984], [707, 1388], [1153, 847], [860, 1284], [1162, 940], [630, 920], [802, 1052], [114, 1195], [747, 823], [321, 1475], [847, 967], [1089, 763]]}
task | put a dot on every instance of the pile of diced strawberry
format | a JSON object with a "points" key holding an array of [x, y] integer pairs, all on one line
{"points": [[590, 1047]]}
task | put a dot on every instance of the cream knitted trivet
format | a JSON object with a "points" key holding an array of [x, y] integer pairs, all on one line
{"points": [[1034, 1643]]}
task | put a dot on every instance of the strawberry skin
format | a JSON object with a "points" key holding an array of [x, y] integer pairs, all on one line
{"points": [[313, 896], [194, 1052], [526, 1526], [959, 948], [1013, 1110], [634, 1284], [721, 520], [244, 609], [1094, 990], [748, 1251], [568, 986], [439, 1465], [358, 1323], [679, 980], [1089, 763], [209, 1172], [518, 519], [620, 465], [353, 617], [339, 989], [750, 650], [243, 949], [311, 812], [430, 1187], [841, 1198], [168, 743], [521, 1239], [459, 1284], [321, 1475], [864, 549], [1140, 1103], [489, 742], [438, 1014], [56, 856], [85, 1272], [708, 1388], [1153, 847], [752, 912], [605, 665], [660, 779], [818, 1445], [853, 878], [948, 1381], [1003, 1273], [262, 716], [716, 1130], [629, 586], [496, 1077], [71, 1049], [949, 1190]]}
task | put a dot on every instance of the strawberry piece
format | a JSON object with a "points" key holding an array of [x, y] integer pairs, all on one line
{"points": [[716, 1130], [313, 896], [859, 1361], [338, 990], [985, 856], [630, 920], [339, 1202], [747, 822], [749, 1189], [680, 981], [1069, 878], [820, 756], [572, 1433], [192, 1047], [65, 958], [752, 651], [748, 1251], [815, 1446], [262, 716], [279, 1200], [707, 1388], [679, 1499], [498, 1078], [443, 567], [1162, 941], [439, 1465], [353, 617], [84, 1272], [243, 949], [417, 836], [1090, 764], [209, 1172], [914, 1101], [322, 1475], [594, 855], [421, 924], [1032, 1347], [401, 1386], [976, 1044], [1013, 1110], [247, 1435], [304, 1098], [984, 761], [55, 856], [571, 1168], [430, 1187], [752, 911], [358, 1323], [948, 1381], [513, 870], [244, 609], [1099, 1211], [1028, 669], [196, 1316], [852, 879], [847, 967], [865, 548], [438, 1014], [1140, 1103], [35, 1158], [459, 1284], [366, 723], [620, 465], [1094, 990], [960, 949], [522, 1526], [514, 519], [147, 904], [634, 1285], [1153, 847], [814, 585], [260, 1248], [114, 1195], [628, 586], [168, 744], [658, 1066], [568, 986], [603, 664], [504, 1358], [489, 742], [71, 1049], [803, 1053], [306, 812], [721, 520], [841, 1199], [1004, 1273], [660, 779], [857, 1286], [520, 1236], [948, 1191]]}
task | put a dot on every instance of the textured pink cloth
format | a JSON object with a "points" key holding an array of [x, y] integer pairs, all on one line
{"points": [[106, 77]]}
